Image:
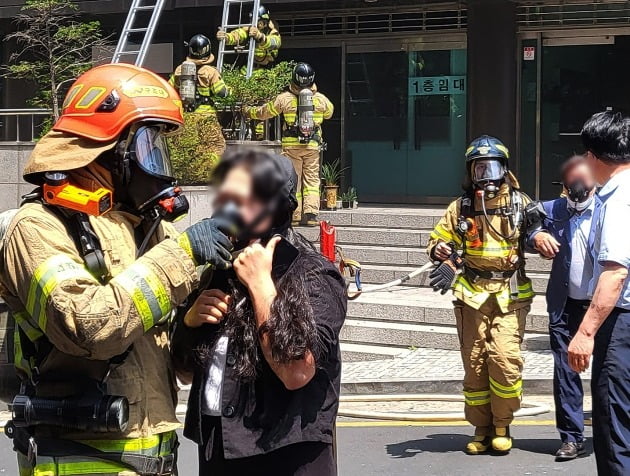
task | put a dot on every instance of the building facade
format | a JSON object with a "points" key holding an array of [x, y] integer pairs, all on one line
{"points": [[413, 81]]}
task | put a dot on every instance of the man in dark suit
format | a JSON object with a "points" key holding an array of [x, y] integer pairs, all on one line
{"points": [[569, 221]]}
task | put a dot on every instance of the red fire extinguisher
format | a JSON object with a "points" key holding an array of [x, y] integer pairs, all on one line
{"points": [[327, 238]]}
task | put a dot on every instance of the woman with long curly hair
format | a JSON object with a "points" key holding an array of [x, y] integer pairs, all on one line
{"points": [[260, 341]]}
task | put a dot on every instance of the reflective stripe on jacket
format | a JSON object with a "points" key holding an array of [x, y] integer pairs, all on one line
{"points": [[155, 446], [495, 253], [47, 286], [266, 51], [286, 104]]}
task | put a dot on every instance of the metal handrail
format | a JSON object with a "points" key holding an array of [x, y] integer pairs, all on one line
{"points": [[12, 116]]}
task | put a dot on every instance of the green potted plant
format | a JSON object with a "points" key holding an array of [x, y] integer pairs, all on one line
{"points": [[353, 197], [331, 175], [345, 200]]}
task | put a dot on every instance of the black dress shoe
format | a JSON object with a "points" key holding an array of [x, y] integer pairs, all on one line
{"points": [[570, 450]]}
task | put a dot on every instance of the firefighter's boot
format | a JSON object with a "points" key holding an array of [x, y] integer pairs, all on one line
{"points": [[310, 219], [502, 441], [479, 444]]}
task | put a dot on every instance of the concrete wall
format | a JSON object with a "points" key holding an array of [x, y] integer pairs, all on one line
{"points": [[13, 157], [200, 200]]}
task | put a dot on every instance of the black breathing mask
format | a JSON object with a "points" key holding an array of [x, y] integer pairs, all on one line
{"points": [[230, 216], [578, 191], [242, 234], [144, 177]]}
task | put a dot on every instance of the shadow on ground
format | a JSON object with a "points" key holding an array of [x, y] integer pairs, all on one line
{"points": [[445, 443], [438, 443]]}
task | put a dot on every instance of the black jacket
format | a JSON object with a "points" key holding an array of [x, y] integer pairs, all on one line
{"points": [[260, 416]]}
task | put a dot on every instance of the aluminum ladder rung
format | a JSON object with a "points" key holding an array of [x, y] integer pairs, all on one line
{"points": [[236, 25], [131, 27], [243, 8], [235, 52]]}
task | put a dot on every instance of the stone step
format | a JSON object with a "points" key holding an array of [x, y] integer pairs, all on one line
{"points": [[404, 304], [418, 335], [374, 236], [363, 352], [393, 256], [379, 274], [394, 246], [385, 217]]}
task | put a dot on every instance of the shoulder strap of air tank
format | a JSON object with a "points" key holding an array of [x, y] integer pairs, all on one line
{"points": [[87, 242], [80, 229], [466, 208]]}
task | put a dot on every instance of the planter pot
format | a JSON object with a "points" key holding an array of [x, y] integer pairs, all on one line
{"points": [[331, 196], [355, 204], [339, 205], [345, 204]]}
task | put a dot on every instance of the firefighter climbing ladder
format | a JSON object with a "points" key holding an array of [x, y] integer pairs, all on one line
{"points": [[138, 31], [247, 16]]}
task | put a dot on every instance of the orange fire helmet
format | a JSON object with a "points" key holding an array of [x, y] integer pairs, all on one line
{"points": [[107, 99]]}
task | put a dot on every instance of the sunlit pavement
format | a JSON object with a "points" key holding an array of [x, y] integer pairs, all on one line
{"points": [[368, 448]]}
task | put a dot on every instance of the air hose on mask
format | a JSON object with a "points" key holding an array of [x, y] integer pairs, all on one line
{"points": [[516, 215], [148, 236]]}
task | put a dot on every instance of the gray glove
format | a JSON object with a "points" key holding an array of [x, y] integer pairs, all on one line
{"points": [[207, 242]]}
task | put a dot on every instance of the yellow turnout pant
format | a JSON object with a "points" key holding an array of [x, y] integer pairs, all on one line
{"points": [[306, 164], [490, 348]]}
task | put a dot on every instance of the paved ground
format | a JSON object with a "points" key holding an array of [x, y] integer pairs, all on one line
{"points": [[436, 450], [437, 364], [389, 449]]}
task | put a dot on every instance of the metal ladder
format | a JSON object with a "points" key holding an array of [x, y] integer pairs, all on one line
{"points": [[136, 25], [241, 22], [359, 88]]}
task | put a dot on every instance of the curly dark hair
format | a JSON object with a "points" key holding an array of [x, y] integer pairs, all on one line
{"points": [[291, 328]]}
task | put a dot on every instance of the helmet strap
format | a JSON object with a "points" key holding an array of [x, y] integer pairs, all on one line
{"points": [[122, 167]]}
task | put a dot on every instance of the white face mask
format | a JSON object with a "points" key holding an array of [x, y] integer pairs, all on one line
{"points": [[579, 206]]}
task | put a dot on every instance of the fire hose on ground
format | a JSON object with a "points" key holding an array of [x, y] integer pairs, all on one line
{"points": [[330, 250]]}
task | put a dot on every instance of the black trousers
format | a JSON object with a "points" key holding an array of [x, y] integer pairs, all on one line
{"points": [[610, 386], [568, 393], [299, 459]]}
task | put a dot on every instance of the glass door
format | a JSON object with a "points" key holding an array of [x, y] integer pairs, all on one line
{"points": [[436, 108], [578, 77], [406, 124]]}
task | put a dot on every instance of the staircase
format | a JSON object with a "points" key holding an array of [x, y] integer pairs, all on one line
{"points": [[389, 243]]}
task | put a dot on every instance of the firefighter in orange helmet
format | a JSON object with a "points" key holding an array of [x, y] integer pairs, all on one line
{"points": [[92, 289]]}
